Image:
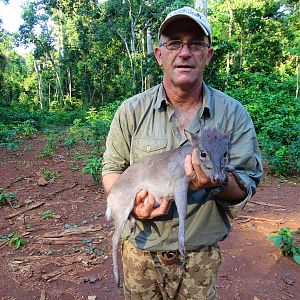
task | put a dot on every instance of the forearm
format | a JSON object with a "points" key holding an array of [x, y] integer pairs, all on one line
{"points": [[108, 180], [232, 192]]}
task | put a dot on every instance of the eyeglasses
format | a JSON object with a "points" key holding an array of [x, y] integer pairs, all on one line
{"points": [[178, 45]]}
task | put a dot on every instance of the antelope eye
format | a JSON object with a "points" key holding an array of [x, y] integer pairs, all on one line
{"points": [[225, 154], [202, 154]]}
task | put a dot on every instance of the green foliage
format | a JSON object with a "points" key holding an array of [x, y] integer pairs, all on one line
{"points": [[49, 148], [289, 242], [63, 117], [6, 197], [6, 133], [26, 129], [276, 115], [48, 214], [50, 174], [18, 114], [93, 167], [16, 240]]}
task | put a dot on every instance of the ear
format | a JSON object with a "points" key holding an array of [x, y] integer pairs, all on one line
{"points": [[209, 56], [192, 138], [157, 53]]}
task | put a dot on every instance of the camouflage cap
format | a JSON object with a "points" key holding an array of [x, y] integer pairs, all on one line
{"points": [[187, 12]]}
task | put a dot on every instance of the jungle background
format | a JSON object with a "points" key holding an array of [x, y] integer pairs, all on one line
{"points": [[88, 56], [56, 105]]}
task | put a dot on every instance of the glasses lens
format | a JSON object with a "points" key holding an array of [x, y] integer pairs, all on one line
{"points": [[193, 45], [197, 46], [174, 45]]}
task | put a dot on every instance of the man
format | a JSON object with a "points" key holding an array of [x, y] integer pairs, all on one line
{"points": [[153, 122]]}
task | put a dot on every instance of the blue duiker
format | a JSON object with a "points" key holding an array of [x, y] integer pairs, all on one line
{"points": [[163, 175]]}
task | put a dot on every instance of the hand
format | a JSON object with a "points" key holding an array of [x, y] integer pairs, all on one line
{"points": [[193, 170], [145, 210]]}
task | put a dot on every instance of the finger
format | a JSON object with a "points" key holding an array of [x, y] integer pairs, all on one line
{"points": [[162, 210], [195, 160], [140, 212], [150, 202], [143, 209], [188, 166], [140, 196], [166, 205]]}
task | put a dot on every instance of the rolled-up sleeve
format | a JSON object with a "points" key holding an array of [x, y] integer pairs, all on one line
{"points": [[246, 159], [117, 153]]}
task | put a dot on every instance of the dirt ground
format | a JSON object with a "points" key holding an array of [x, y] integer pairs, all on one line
{"points": [[69, 256]]}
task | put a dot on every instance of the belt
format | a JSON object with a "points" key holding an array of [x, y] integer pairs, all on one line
{"points": [[171, 257], [168, 258]]}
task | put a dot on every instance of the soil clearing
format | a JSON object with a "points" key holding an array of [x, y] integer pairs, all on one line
{"points": [[69, 255]]}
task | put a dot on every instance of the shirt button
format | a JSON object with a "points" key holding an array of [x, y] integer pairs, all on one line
{"points": [[148, 148]]}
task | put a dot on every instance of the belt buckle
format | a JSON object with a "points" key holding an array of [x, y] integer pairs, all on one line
{"points": [[166, 260]]}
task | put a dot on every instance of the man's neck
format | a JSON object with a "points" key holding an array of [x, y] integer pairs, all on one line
{"points": [[182, 98], [186, 103]]}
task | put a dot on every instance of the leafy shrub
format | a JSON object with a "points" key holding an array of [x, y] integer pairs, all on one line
{"points": [[49, 148], [6, 197], [26, 129], [6, 133], [289, 242], [63, 118], [48, 214], [93, 167], [15, 240], [49, 174], [276, 114], [39, 118]]}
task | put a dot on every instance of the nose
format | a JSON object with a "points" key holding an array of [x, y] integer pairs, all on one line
{"points": [[218, 178], [185, 50]]}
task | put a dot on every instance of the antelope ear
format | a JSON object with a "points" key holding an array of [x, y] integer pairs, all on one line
{"points": [[192, 138]]}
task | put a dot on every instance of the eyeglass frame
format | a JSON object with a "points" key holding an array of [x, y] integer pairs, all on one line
{"points": [[182, 44]]}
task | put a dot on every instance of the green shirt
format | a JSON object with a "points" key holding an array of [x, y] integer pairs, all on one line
{"points": [[142, 127]]}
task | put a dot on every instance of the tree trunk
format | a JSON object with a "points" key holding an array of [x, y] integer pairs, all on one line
{"points": [[149, 81], [49, 95], [229, 37], [70, 83], [297, 76], [40, 86]]}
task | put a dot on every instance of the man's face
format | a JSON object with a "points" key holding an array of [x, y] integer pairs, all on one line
{"points": [[183, 68]]}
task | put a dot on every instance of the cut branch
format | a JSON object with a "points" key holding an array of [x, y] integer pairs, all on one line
{"points": [[33, 206], [72, 231], [267, 204], [259, 219]]}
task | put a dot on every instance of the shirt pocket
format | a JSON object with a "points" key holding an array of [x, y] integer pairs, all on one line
{"points": [[145, 147]]}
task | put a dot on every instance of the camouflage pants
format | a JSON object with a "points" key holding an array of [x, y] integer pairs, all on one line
{"points": [[149, 275]]}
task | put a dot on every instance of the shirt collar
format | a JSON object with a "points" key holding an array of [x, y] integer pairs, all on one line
{"points": [[161, 97], [208, 103]]}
